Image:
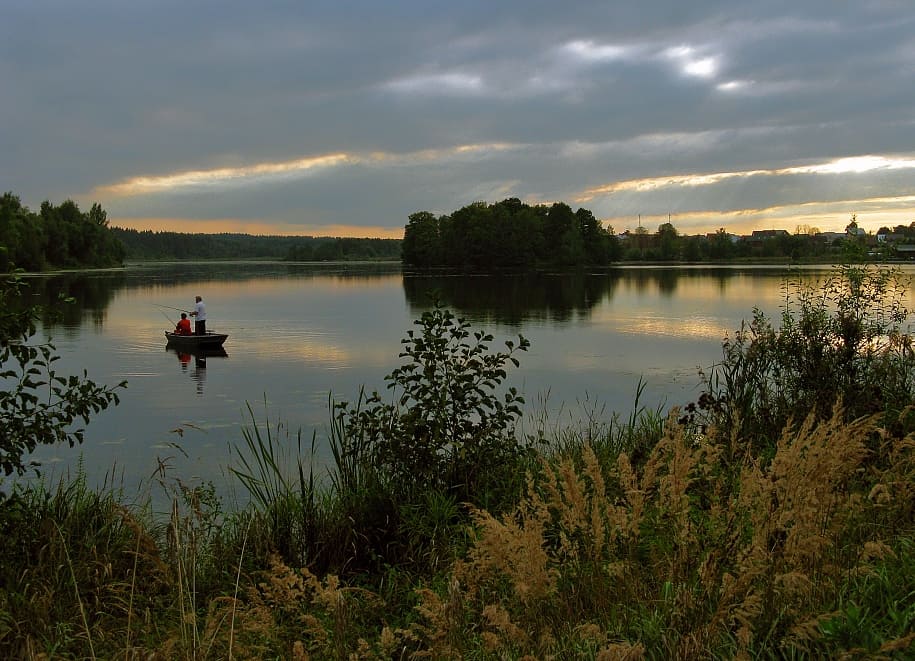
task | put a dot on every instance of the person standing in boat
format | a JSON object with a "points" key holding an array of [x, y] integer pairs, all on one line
{"points": [[184, 326], [200, 315]]}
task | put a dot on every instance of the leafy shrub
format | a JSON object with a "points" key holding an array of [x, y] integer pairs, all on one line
{"points": [[37, 406], [447, 427], [844, 340], [403, 468]]}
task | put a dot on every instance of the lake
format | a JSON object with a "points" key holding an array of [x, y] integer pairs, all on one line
{"points": [[301, 334]]}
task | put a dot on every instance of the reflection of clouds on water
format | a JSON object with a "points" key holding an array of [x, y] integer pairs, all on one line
{"points": [[693, 327], [313, 347]]}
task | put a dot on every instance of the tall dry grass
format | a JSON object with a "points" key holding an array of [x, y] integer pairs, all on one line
{"points": [[680, 555], [680, 558]]}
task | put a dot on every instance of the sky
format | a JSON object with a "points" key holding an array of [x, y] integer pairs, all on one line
{"points": [[342, 118]]}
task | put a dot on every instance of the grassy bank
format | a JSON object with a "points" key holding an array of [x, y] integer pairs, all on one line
{"points": [[771, 518]]}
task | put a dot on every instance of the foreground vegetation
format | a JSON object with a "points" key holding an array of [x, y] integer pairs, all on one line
{"points": [[772, 518]]}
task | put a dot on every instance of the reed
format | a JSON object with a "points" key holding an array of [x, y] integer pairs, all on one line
{"points": [[71, 556]]}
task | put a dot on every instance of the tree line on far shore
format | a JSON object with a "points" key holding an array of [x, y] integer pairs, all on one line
{"points": [[506, 234], [56, 237], [149, 245], [63, 236], [513, 234]]}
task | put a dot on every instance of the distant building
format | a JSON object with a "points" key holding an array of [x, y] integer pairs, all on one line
{"points": [[829, 237], [733, 238], [852, 231], [759, 235], [890, 237]]}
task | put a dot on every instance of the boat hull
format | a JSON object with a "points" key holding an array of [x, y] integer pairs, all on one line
{"points": [[208, 341]]}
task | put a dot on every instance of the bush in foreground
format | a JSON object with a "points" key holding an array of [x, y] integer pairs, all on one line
{"points": [[846, 339]]}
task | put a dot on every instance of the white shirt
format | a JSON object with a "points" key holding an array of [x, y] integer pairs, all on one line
{"points": [[200, 311]]}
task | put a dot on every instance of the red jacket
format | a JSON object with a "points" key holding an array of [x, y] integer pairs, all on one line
{"points": [[184, 327]]}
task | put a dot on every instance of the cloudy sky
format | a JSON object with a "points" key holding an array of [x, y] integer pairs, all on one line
{"points": [[342, 118]]}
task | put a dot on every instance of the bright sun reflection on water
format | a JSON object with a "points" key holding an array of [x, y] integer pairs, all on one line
{"points": [[695, 327]]}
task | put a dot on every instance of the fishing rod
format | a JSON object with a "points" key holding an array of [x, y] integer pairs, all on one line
{"points": [[158, 305], [167, 317]]}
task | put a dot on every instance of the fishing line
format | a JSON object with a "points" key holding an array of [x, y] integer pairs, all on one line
{"points": [[158, 305]]}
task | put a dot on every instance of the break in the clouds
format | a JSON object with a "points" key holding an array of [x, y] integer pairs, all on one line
{"points": [[346, 117]]}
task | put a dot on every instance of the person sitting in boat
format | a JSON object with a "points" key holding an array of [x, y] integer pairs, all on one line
{"points": [[184, 326]]}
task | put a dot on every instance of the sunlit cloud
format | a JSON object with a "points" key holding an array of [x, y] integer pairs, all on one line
{"points": [[826, 215], [261, 172], [691, 63], [203, 178], [771, 88], [441, 83], [254, 227], [847, 165], [854, 165], [733, 86], [649, 184], [703, 68], [589, 51]]}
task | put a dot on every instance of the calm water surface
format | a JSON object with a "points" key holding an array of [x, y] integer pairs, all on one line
{"points": [[301, 334]]}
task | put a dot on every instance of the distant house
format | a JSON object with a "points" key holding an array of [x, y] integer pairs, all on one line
{"points": [[757, 238], [733, 238], [829, 237], [890, 237], [759, 235]]}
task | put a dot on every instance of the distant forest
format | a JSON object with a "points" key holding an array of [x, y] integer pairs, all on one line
{"points": [[509, 234], [55, 237], [506, 234], [65, 237], [149, 245]]}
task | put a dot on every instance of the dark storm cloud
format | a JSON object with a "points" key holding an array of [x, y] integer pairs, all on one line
{"points": [[117, 102]]}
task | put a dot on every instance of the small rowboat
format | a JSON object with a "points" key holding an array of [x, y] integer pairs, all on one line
{"points": [[208, 341]]}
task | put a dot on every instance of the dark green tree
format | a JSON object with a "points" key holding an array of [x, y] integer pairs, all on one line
{"points": [[22, 238], [563, 236], [37, 405], [668, 243], [594, 237], [693, 248], [508, 234], [59, 236], [422, 240], [720, 245]]}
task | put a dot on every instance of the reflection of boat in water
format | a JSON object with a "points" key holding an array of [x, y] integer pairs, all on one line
{"points": [[200, 354], [199, 342]]}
